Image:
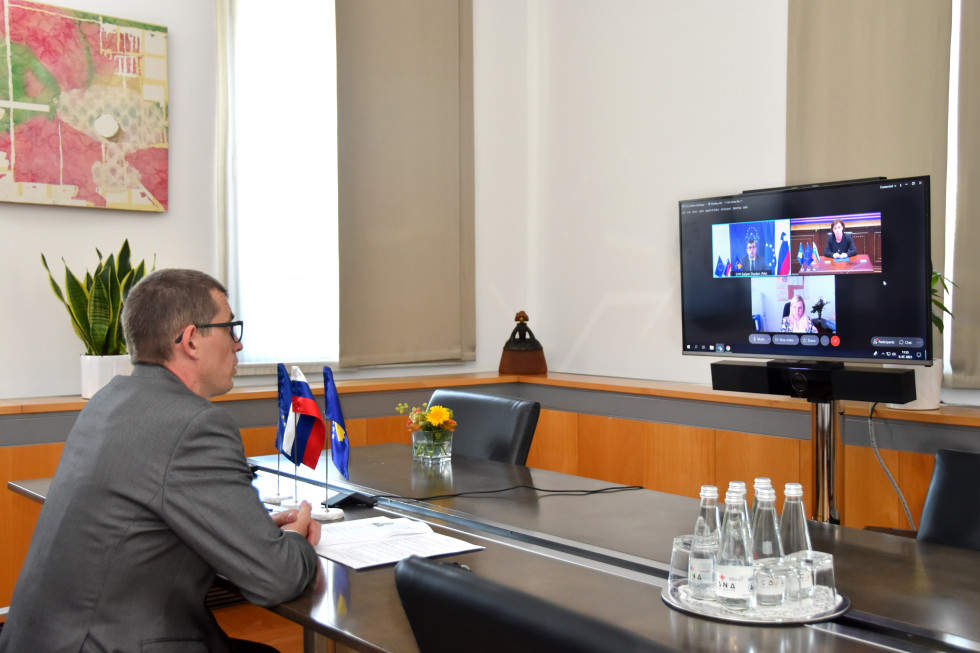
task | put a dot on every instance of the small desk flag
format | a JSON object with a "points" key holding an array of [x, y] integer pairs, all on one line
{"points": [[784, 266], [339, 446], [302, 432]]}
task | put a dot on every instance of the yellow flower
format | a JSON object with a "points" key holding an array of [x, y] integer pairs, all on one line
{"points": [[437, 415]]}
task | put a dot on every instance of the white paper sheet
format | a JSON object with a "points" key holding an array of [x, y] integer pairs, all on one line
{"points": [[364, 543]]}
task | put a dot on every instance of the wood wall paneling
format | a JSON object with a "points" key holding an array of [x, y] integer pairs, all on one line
{"points": [[613, 449], [914, 476], [744, 456], [555, 443], [19, 513], [680, 459], [381, 430], [259, 440], [870, 499]]}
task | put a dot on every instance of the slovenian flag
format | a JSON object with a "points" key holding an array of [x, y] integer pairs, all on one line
{"points": [[783, 257], [816, 256], [339, 445], [302, 431]]}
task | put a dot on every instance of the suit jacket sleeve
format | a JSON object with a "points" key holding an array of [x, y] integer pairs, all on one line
{"points": [[846, 245], [209, 501]]}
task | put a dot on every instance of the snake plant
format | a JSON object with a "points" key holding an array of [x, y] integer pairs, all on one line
{"points": [[95, 305], [940, 287]]}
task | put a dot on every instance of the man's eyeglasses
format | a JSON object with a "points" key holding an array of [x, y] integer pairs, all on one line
{"points": [[235, 327]]}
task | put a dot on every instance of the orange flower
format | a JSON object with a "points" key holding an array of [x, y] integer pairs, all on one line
{"points": [[437, 415]]}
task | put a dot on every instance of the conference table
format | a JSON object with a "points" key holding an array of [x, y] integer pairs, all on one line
{"points": [[859, 263], [579, 543], [602, 551]]}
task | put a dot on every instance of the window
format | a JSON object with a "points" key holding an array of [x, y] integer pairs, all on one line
{"points": [[332, 241], [284, 266]]}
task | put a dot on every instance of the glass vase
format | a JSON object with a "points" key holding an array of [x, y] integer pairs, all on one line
{"points": [[432, 446]]}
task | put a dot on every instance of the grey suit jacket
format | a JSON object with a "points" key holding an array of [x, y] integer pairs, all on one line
{"points": [[152, 496]]}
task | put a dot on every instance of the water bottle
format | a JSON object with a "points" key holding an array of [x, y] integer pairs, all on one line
{"points": [[765, 533], [704, 547], [734, 567], [760, 483], [739, 487], [793, 532]]}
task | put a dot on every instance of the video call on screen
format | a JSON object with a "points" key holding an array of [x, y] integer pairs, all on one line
{"points": [[837, 271]]}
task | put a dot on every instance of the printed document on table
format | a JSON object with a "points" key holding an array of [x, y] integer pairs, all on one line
{"points": [[364, 543]]}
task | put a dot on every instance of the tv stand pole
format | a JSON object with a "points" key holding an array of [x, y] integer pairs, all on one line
{"points": [[827, 470]]}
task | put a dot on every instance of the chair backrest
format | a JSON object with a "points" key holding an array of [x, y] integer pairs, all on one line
{"points": [[451, 609], [950, 515], [490, 426]]}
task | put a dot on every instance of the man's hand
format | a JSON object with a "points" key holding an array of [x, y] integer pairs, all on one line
{"points": [[299, 521], [284, 517]]}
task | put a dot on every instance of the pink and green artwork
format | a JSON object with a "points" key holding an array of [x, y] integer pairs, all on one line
{"points": [[83, 109]]}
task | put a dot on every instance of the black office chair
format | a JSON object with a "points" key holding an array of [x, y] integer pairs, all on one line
{"points": [[490, 427], [950, 514], [451, 609]]}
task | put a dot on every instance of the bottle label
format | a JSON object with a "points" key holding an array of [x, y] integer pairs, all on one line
{"points": [[701, 570], [734, 581]]}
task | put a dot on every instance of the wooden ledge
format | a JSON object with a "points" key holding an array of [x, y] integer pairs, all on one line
{"points": [[950, 415]]}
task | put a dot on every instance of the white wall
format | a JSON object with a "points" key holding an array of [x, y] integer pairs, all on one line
{"points": [[39, 351], [592, 120], [638, 105]]}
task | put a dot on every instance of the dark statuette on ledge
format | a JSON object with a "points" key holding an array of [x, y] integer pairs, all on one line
{"points": [[522, 353]]}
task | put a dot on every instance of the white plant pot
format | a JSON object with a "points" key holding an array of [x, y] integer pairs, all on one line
{"points": [[928, 386], [97, 371]]}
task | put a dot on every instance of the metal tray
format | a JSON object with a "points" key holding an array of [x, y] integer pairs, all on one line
{"points": [[808, 612]]}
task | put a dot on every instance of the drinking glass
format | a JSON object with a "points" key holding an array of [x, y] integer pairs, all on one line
{"points": [[822, 568], [772, 577], [816, 573], [680, 562]]}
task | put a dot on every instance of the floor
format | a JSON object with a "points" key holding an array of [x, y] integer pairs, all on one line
{"points": [[246, 621]]}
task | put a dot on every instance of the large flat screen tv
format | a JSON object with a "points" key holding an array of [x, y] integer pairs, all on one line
{"points": [[828, 272]]}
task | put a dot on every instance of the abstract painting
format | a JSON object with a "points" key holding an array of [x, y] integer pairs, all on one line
{"points": [[83, 109]]}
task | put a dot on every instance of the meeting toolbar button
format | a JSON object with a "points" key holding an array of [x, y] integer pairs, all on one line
{"points": [[898, 341], [785, 339]]}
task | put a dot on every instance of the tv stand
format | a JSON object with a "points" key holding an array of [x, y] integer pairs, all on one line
{"points": [[824, 385]]}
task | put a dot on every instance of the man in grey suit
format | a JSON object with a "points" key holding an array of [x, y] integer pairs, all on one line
{"points": [[153, 496]]}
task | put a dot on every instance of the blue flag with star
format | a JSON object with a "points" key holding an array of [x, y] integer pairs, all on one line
{"points": [[339, 445]]}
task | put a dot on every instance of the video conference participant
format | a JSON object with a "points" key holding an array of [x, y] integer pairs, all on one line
{"points": [[153, 496], [752, 262], [797, 321], [839, 244]]}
